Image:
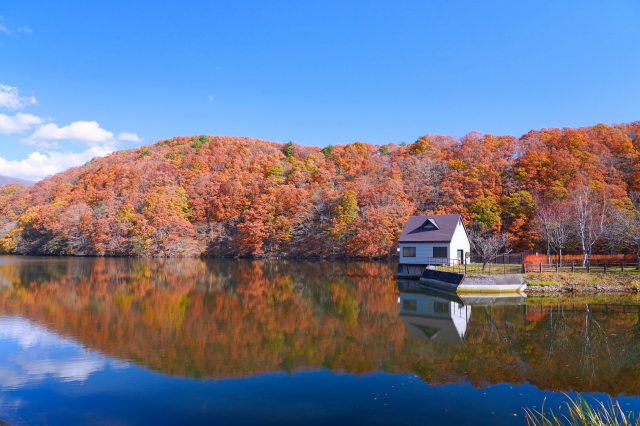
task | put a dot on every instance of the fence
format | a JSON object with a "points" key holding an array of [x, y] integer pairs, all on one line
{"points": [[500, 259], [461, 267], [578, 267], [500, 266]]}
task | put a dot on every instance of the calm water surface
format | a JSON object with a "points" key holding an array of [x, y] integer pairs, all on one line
{"points": [[231, 342]]}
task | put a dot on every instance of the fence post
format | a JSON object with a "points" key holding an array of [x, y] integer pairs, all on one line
{"points": [[622, 267], [465, 267], [605, 267], [524, 268], [573, 267], [540, 267], [504, 266], [588, 267], [556, 267]]}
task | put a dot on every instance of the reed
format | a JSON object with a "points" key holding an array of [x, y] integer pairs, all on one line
{"points": [[581, 413]]}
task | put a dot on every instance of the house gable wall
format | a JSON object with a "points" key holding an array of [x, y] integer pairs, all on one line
{"points": [[459, 241], [424, 250]]}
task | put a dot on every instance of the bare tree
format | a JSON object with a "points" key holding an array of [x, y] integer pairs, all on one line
{"points": [[556, 223], [544, 221], [625, 226], [561, 228], [590, 211], [487, 243]]}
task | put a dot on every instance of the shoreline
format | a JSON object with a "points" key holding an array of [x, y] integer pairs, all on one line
{"points": [[579, 282]]}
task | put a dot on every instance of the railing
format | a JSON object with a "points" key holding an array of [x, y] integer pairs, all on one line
{"points": [[461, 267]]}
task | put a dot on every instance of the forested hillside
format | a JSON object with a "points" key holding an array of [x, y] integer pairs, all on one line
{"points": [[231, 196]]}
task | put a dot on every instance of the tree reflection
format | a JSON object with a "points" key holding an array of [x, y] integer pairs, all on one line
{"points": [[229, 318]]}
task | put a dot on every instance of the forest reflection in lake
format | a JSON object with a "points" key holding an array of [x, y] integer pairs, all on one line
{"points": [[290, 342]]}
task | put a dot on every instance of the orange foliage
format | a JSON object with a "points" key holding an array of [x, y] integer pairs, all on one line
{"points": [[227, 196]]}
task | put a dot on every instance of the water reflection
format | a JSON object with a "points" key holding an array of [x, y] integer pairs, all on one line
{"points": [[29, 353], [214, 319], [438, 318]]}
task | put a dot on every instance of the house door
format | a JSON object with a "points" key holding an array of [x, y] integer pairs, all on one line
{"points": [[461, 256]]}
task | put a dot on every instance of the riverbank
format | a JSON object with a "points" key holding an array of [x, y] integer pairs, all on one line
{"points": [[562, 282]]}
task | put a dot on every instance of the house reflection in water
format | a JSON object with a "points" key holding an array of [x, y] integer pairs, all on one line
{"points": [[439, 318]]}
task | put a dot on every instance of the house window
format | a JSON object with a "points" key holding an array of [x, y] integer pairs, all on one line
{"points": [[460, 255], [440, 252], [408, 251], [410, 305], [441, 307]]}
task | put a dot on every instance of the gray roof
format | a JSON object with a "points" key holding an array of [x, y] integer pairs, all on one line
{"points": [[413, 232]]}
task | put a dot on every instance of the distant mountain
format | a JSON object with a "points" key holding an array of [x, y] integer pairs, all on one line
{"points": [[8, 179]]}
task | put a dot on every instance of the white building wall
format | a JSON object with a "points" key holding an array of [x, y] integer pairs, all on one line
{"points": [[460, 241]]}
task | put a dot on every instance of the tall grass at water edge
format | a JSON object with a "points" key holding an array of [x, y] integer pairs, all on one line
{"points": [[581, 413]]}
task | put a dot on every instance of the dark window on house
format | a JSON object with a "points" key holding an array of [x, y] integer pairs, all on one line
{"points": [[441, 307], [440, 252], [410, 305], [409, 251]]}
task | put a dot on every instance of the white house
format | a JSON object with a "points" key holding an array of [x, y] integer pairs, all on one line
{"points": [[435, 239], [428, 317]]}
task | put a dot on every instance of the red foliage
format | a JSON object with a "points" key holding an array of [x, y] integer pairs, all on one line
{"points": [[226, 196]]}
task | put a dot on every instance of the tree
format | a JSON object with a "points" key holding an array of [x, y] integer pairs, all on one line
{"points": [[487, 243], [556, 223], [590, 208], [486, 211], [288, 150], [625, 225]]}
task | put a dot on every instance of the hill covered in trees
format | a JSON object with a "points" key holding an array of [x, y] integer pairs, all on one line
{"points": [[232, 196]]}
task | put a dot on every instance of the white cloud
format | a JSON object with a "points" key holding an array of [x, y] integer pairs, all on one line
{"points": [[88, 132], [128, 136], [9, 96], [18, 123], [38, 165], [8, 27], [54, 154]]}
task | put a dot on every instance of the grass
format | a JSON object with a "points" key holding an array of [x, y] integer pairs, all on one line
{"points": [[581, 413], [621, 282], [544, 283]]}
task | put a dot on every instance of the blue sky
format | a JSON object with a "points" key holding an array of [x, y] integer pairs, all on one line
{"points": [[81, 79]]}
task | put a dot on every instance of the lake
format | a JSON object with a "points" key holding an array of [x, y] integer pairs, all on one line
{"points": [[88, 341]]}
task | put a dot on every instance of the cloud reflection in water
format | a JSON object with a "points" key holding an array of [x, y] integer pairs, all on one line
{"points": [[30, 353]]}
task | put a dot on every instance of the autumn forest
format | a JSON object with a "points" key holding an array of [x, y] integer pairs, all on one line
{"points": [[242, 197]]}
